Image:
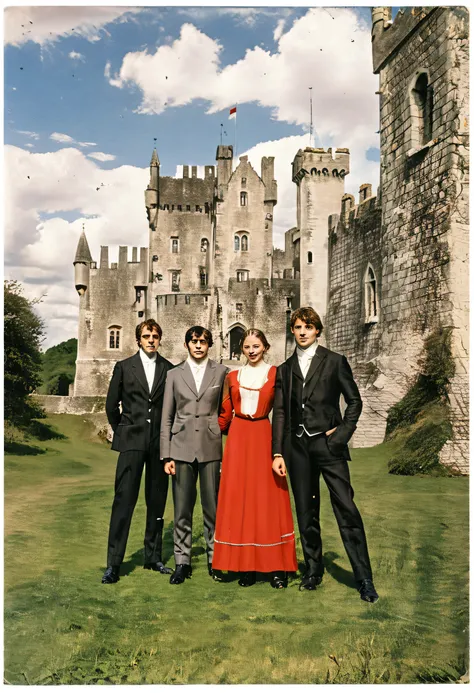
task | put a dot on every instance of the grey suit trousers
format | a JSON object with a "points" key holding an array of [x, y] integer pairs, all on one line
{"points": [[184, 499]]}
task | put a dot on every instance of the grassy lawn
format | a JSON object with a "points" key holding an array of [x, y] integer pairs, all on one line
{"points": [[63, 626]]}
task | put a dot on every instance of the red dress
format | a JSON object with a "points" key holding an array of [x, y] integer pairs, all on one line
{"points": [[254, 525]]}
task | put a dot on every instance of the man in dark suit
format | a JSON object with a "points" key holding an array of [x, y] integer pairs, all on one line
{"points": [[311, 437], [138, 384]]}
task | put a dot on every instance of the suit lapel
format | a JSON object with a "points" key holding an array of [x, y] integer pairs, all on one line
{"points": [[188, 377], [139, 372], [160, 373], [208, 377], [295, 366], [314, 371]]}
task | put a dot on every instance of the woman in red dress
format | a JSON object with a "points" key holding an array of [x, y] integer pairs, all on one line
{"points": [[254, 526]]}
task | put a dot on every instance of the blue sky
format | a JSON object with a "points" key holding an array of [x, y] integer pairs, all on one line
{"points": [[88, 89]]}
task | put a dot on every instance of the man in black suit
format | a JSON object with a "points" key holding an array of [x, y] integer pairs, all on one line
{"points": [[138, 384], [311, 436]]}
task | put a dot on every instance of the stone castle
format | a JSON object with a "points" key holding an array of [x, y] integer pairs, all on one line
{"points": [[383, 273]]}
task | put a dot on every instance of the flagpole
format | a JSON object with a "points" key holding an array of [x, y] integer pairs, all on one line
{"points": [[235, 136], [310, 116]]}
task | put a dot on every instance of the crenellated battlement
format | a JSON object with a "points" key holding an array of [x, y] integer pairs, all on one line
{"points": [[123, 261], [321, 163], [350, 211]]}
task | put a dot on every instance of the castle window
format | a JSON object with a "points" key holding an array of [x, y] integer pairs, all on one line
{"points": [[174, 244], [421, 111], [244, 182], [242, 275], [203, 278], [187, 299], [138, 295], [175, 277], [238, 307], [371, 302], [141, 313], [243, 199], [166, 207], [114, 336], [244, 243], [204, 245], [310, 258], [236, 243], [188, 208], [198, 209], [180, 208]]}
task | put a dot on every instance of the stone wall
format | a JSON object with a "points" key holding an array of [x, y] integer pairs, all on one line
{"points": [[355, 243]]}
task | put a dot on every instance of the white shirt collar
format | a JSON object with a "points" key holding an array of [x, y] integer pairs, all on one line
{"points": [[146, 360], [307, 353], [194, 365]]}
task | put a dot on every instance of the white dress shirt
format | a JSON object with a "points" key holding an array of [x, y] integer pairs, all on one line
{"points": [[305, 357], [197, 369], [149, 364], [253, 377]]}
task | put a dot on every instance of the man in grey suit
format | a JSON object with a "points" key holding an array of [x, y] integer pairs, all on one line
{"points": [[191, 444]]}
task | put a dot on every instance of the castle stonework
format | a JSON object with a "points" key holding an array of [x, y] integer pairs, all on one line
{"points": [[383, 273], [398, 263], [209, 262]]}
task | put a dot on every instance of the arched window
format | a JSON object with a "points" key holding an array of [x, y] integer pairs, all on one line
{"points": [[113, 335], [421, 111], [204, 245], [174, 242], [244, 243], [236, 243], [243, 199], [310, 258], [371, 302]]}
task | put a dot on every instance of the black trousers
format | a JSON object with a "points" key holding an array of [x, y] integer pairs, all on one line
{"points": [[184, 499], [127, 486], [311, 458]]}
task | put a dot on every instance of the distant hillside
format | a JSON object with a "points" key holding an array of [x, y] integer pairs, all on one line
{"points": [[59, 368]]}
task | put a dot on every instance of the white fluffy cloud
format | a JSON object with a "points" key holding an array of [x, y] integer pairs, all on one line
{"points": [[42, 189], [62, 138], [329, 51], [28, 133], [45, 25], [100, 156], [74, 55]]}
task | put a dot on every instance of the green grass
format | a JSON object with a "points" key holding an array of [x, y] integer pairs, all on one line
{"points": [[62, 626]]}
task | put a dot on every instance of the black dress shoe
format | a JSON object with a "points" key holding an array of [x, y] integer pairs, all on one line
{"points": [[180, 574], [279, 582], [247, 579], [111, 575], [310, 582], [367, 591], [159, 567], [216, 575]]}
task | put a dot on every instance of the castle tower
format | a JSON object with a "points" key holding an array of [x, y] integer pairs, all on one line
{"points": [[82, 264], [152, 193], [320, 185]]}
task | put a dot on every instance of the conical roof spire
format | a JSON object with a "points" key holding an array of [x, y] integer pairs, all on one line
{"points": [[83, 254], [154, 158]]}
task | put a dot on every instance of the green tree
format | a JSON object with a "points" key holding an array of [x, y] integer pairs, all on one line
{"points": [[23, 334], [59, 368]]}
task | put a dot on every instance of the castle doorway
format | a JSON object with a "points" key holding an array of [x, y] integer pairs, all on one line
{"points": [[235, 337]]}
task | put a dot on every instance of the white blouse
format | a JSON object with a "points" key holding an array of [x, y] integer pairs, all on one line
{"points": [[254, 378]]}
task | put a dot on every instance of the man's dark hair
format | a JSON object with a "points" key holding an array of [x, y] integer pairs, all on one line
{"points": [[307, 315], [198, 331], [149, 324]]}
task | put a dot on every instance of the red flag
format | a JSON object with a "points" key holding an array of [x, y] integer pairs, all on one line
{"points": [[233, 113]]}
